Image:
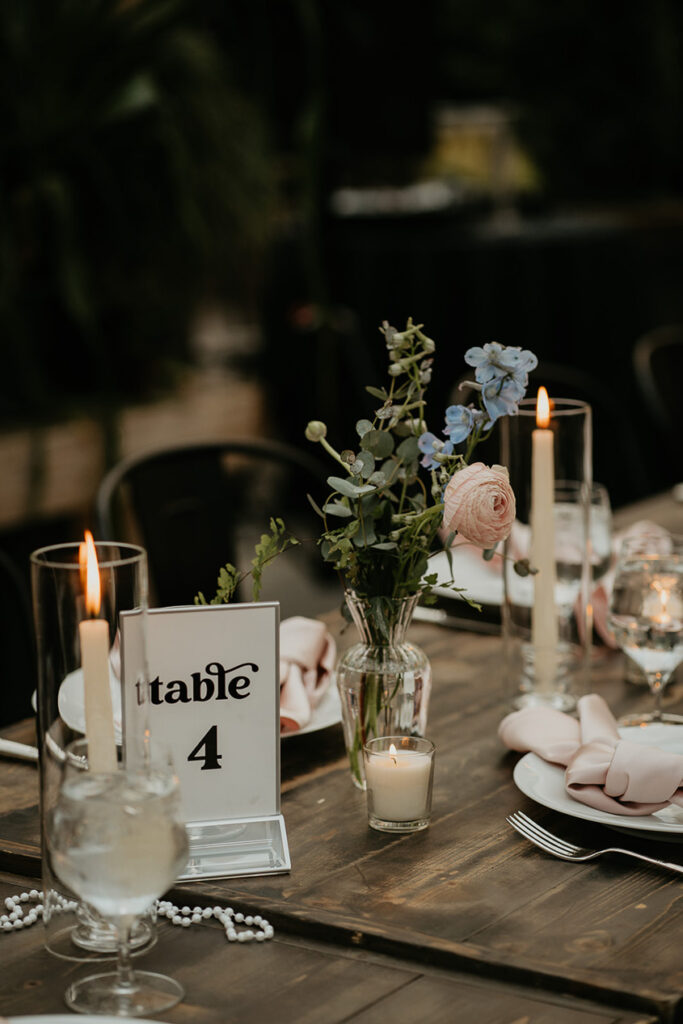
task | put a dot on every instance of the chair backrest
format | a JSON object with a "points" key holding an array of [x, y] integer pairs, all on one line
{"points": [[658, 366], [18, 644], [195, 507], [658, 369]]}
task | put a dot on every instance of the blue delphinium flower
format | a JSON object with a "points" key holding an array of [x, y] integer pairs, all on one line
{"points": [[459, 421], [501, 397], [430, 445], [495, 361]]}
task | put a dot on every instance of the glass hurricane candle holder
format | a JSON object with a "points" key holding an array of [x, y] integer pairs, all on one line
{"points": [[399, 773], [547, 618], [79, 692]]}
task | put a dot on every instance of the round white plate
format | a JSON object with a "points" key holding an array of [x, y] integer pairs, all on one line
{"points": [[483, 581], [327, 713], [544, 783]]}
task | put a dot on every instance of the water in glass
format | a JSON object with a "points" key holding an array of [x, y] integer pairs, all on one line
{"points": [[646, 617]]}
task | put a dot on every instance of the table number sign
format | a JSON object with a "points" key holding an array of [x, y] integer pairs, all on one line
{"points": [[212, 691]]}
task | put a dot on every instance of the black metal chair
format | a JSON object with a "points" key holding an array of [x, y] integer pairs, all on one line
{"points": [[658, 369], [195, 507]]}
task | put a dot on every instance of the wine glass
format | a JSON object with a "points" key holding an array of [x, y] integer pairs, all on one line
{"points": [[117, 840], [646, 613], [569, 511]]}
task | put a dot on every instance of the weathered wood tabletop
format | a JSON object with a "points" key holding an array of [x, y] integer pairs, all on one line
{"points": [[465, 921]]}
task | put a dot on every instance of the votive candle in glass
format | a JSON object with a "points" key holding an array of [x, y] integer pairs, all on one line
{"points": [[399, 772]]}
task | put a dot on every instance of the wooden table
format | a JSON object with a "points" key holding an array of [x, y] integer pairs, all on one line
{"points": [[465, 921]]}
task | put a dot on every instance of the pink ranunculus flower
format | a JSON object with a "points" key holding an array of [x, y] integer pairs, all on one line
{"points": [[479, 504]]}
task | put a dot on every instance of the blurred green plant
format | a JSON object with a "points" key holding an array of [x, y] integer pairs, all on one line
{"points": [[134, 181]]}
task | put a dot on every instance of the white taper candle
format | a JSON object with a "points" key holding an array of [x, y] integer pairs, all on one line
{"points": [[544, 634]]}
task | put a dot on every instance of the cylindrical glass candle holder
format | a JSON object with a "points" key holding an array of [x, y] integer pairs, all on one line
{"points": [[79, 692], [399, 773], [547, 618]]}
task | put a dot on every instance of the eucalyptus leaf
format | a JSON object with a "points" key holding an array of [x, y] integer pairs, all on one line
{"points": [[335, 508], [362, 427], [385, 545], [366, 463], [349, 489], [379, 442], [377, 393], [369, 503], [408, 449], [365, 537]]}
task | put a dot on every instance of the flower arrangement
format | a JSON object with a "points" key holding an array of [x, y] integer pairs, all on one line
{"points": [[382, 518]]}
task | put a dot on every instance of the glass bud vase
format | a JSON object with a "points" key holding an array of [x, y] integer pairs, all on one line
{"points": [[384, 681]]}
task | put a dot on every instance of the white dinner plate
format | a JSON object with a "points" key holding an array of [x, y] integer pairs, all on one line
{"points": [[482, 580], [544, 783]]}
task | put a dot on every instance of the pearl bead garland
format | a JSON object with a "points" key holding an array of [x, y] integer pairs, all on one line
{"points": [[256, 929], [186, 916]]}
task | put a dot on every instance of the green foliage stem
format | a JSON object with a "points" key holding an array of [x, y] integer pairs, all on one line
{"points": [[268, 548]]}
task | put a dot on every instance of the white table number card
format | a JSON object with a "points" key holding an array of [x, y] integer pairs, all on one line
{"points": [[214, 697]]}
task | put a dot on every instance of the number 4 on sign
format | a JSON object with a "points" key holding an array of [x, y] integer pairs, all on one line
{"points": [[209, 744]]}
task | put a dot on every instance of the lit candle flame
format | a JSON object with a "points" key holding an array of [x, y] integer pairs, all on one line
{"points": [[542, 408], [87, 559], [392, 753], [663, 618]]}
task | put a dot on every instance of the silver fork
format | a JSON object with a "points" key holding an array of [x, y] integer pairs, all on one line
{"points": [[567, 851]]}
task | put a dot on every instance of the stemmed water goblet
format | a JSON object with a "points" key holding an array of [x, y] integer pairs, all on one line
{"points": [[117, 840], [646, 613], [573, 501]]}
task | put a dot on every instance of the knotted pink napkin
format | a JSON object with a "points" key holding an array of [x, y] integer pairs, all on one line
{"points": [[307, 656], [602, 770]]}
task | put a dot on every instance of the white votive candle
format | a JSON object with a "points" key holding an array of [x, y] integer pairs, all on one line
{"points": [[398, 773]]}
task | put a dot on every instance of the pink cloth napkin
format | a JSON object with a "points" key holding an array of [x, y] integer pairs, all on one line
{"points": [[307, 657], [602, 770]]}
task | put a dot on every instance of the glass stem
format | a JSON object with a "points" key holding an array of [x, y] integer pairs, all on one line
{"points": [[125, 978], [657, 682]]}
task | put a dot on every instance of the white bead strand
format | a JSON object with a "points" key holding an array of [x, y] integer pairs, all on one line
{"points": [[256, 928]]}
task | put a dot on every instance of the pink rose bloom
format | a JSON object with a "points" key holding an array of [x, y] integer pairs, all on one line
{"points": [[479, 504]]}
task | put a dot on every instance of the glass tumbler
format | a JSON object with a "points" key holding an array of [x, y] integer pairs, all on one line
{"points": [[399, 773], [67, 636], [547, 621]]}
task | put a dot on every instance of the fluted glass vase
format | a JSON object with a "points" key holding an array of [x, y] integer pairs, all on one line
{"points": [[384, 681]]}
